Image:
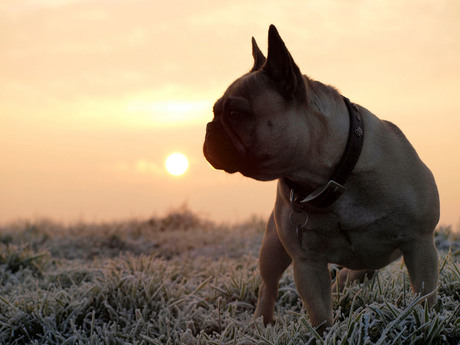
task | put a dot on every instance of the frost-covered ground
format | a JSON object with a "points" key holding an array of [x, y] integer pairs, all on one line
{"points": [[184, 280]]}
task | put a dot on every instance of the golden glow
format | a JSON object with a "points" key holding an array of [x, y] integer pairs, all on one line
{"points": [[176, 164], [170, 111]]}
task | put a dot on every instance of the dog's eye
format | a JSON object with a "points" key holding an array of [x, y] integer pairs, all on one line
{"points": [[238, 114], [237, 108]]}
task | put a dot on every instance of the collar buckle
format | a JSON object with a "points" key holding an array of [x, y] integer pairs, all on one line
{"points": [[331, 191]]}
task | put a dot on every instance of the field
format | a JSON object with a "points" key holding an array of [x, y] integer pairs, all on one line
{"points": [[181, 279]]}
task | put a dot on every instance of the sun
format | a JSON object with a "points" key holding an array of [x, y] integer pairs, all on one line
{"points": [[176, 164]]}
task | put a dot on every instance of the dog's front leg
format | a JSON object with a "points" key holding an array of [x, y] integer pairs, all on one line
{"points": [[273, 261], [313, 283]]}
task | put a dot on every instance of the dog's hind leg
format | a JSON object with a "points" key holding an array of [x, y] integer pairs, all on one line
{"points": [[273, 261], [345, 276], [421, 260]]}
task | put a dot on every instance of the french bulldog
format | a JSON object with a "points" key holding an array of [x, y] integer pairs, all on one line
{"points": [[351, 190]]}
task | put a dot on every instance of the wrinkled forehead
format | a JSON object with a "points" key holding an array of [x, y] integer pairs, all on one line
{"points": [[248, 84], [250, 87]]}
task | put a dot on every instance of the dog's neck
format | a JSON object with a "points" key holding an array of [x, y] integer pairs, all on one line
{"points": [[333, 152], [326, 124]]}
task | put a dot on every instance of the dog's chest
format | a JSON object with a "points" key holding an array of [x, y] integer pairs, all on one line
{"points": [[351, 244]]}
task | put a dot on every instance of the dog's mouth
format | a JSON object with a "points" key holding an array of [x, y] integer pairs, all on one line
{"points": [[224, 149]]}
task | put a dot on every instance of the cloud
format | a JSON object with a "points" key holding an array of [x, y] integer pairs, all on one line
{"points": [[142, 166], [145, 166], [169, 112], [28, 5]]}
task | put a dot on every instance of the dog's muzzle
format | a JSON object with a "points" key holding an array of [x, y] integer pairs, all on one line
{"points": [[219, 150]]}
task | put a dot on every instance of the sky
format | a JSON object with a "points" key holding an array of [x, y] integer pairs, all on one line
{"points": [[94, 95]]}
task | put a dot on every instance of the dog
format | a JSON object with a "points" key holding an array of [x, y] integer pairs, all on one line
{"points": [[351, 190]]}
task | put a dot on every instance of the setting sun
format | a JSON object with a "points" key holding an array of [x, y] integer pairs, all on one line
{"points": [[176, 164]]}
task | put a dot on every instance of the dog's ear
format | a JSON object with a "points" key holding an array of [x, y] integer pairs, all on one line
{"points": [[259, 58], [281, 67]]}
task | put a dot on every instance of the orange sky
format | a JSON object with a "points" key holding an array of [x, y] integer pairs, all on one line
{"points": [[95, 94]]}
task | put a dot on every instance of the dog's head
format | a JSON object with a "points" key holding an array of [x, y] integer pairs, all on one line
{"points": [[255, 128]]}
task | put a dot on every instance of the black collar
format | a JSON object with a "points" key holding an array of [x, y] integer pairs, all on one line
{"points": [[329, 193]]}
